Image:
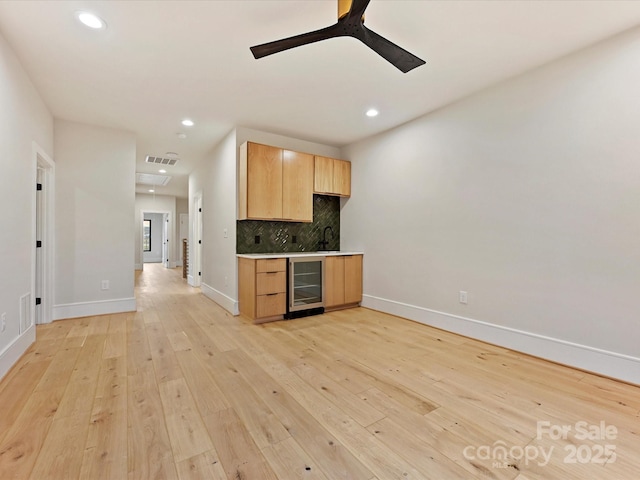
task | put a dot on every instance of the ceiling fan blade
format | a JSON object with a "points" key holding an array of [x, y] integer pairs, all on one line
{"points": [[270, 48], [388, 50]]}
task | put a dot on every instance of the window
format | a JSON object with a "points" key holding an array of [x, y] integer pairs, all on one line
{"points": [[146, 235]]}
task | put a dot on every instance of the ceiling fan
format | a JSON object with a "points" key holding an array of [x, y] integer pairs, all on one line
{"points": [[350, 24]]}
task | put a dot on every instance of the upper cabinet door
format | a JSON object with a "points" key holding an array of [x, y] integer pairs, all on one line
{"points": [[332, 176], [264, 182], [297, 186], [342, 178], [323, 176]]}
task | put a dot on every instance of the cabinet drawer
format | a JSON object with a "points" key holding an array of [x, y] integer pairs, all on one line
{"points": [[271, 305], [271, 282], [271, 265]]}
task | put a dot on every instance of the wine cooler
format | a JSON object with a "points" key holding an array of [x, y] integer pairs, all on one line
{"points": [[306, 286]]}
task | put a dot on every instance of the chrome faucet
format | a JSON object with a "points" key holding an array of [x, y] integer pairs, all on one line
{"points": [[324, 242]]}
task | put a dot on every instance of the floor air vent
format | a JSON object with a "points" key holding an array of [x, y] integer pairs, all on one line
{"points": [[25, 312]]}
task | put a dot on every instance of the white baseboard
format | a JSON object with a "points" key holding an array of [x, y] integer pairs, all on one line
{"points": [[12, 352], [191, 280], [228, 303], [87, 309], [584, 357]]}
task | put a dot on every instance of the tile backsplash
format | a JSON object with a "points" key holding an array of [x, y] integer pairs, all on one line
{"points": [[277, 237]]}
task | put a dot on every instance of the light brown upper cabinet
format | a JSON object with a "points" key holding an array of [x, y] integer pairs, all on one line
{"points": [[332, 176], [274, 184], [297, 186]]}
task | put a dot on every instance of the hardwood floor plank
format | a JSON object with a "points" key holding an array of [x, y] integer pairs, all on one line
{"points": [[23, 382], [23, 442], [149, 448], [207, 395], [186, 429], [290, 462], [257, 418], [61, 453], [240, 456], [204, 466]]}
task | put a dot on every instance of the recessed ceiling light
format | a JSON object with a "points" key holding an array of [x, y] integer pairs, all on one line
{"points": [[372, 112], [162, 170], [91, 20], [181, 136], [151, 190], [187, 123]]}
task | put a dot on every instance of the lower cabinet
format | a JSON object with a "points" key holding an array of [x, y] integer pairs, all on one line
{"points": [[262, 285], [262, 288], [343, 282]]}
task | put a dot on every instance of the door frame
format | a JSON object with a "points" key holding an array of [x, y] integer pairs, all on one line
{"points": [[42, 267], [166, 214], [195, 247]]}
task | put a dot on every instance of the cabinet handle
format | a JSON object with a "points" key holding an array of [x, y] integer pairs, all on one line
{"points": [[271, 294]]}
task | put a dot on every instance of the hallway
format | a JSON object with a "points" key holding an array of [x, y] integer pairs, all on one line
{"points": [[182, 389]]}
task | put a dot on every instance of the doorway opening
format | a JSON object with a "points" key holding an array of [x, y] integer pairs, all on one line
{"points": [[157, 238]]}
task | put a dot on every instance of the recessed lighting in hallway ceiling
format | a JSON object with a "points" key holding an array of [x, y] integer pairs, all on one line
{"points": [[372, 112], [181, 136], [188, 122], [91, 20]]}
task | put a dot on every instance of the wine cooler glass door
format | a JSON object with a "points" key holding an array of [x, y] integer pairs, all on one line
{"points": [[306, 284]]}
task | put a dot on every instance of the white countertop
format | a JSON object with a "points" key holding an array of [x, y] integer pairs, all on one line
{"points": [[330, 253]]}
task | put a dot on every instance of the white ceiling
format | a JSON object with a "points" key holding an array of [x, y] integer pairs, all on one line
{"points": [[161, 61]]}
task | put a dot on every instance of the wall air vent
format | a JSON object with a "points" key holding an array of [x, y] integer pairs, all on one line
{"points": [[161, 160], [152, 179]]}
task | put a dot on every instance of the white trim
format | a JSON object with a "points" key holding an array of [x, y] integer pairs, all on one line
{"points": [[12, 352], [226, 302], [191, 280], [603, 362], [40, 158], [138, 266], [195, 248], [87, 309]]}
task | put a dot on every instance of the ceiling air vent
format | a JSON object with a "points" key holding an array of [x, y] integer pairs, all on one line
{"points": [[161, 160], [152, 179]]}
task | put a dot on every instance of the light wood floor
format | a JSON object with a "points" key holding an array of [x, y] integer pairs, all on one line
{"points": [[182, 389]]}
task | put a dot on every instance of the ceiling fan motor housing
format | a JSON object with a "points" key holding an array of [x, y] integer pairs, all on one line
{"points": [[343, 8]]}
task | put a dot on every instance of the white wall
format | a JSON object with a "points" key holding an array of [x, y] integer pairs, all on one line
{"points": [[95, 199], [24, 118], [155, 204], [527, 197], [155, 254], [217, 180]]}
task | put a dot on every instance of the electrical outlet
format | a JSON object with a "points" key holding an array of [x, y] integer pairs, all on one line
{"points": [[3, 322], [105, 285], [463, 297], [257, 239], [225, 232]]}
